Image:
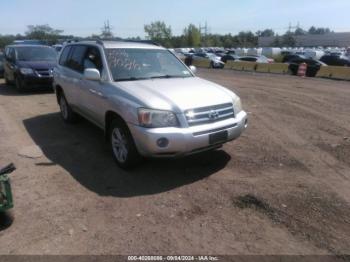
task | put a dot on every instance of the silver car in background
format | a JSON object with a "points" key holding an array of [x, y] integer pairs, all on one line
{"points": [[147, 101]]}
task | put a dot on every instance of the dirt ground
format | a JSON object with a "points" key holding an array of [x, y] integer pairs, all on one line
{"points": [[282, 188]]}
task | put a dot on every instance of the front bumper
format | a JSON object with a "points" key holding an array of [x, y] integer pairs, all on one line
{"points": [[185, 141], [36, 81]]}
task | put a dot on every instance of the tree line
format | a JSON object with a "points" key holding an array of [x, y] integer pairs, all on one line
{"points": [[162, 33]]}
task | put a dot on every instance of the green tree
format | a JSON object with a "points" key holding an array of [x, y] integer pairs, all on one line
{"points": [[318, 31], [288, 39], [159, 32], [192, 36], [300, 31], [266, 33], [43, 32], [247, 39]]}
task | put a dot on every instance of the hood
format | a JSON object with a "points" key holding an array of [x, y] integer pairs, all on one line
{"points": [[177, 94], [37, 64]]}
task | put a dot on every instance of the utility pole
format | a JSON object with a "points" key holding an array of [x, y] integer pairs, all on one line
{"points": [[205, 29], [290, 27], [107, 30]]}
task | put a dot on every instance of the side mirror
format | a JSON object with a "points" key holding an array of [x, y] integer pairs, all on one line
{"points": [[193, 69], [92, 74]]}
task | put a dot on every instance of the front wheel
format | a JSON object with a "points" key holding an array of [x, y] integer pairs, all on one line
{"points": [[122, 145], [7, 81], [68, 115], [19, 85]]}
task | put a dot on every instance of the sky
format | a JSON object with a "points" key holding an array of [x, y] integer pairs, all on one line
{"points": [[127, 17]]}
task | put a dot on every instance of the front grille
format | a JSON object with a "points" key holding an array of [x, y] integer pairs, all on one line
{"points": [[209, 114], [43, 72]]}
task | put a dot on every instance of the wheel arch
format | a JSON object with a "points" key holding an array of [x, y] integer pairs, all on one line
{"points": [[109, 117], [59, 92]]}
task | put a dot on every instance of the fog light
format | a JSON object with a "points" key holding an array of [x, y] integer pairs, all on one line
{"points": [[162, 142]]}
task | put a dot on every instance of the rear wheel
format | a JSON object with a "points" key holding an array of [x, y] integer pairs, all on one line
{"points": [[122, 145], [68, 115]]}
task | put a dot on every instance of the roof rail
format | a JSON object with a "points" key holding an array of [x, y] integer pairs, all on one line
{"points": [[144, 42], [100, 42]]}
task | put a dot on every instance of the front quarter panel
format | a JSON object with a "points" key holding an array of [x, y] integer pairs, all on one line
{"points": [[123, 104]]}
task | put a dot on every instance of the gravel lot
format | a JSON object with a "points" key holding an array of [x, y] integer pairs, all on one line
{"points": [[282, 188]]}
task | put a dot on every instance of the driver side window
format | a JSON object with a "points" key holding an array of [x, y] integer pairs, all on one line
{"points": [[92, 59]]}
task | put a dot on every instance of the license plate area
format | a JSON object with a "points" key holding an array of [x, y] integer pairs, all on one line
{"points": [[218, 137]]}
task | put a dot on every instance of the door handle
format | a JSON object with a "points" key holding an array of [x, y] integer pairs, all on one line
{"points": [[101, 95], [93, 91]]}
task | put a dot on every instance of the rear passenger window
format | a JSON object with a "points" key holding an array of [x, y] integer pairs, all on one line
{"points": [[75, 61], [64, 56]]}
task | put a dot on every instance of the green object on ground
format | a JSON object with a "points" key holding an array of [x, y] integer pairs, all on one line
{"points": [[6, 200]]}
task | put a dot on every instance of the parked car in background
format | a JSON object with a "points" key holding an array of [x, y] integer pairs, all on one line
{"points": [[220, 53], [256, 59], [229, 57], [145, 99], [335, 60], [1, 65], [215, 61], [57, 47], [289, 57], [312, 65], [29, 42], [29, 66]]}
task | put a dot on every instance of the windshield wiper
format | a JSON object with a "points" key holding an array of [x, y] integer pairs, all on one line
{"points": [[148, 78], [130, 79], [167, 76]]}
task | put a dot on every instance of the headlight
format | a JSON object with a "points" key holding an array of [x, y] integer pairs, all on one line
{"points": [[237, 104], [156, 118], [26, 71]]}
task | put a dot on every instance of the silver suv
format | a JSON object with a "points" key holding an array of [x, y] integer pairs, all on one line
{"points": [[146, 100]]}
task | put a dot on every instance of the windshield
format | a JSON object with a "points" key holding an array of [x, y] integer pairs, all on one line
{"points": [[135, 64], [36, 53]]}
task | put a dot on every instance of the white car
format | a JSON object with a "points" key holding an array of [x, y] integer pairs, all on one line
{"points": [[146, 100]]}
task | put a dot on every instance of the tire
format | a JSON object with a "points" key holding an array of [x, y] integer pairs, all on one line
{"points": [[7, 81], [67, 114], [6, 219], [122, 145], [19, 85]]}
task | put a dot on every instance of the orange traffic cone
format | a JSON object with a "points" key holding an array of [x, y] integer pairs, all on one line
{"points": [[302, 69]]}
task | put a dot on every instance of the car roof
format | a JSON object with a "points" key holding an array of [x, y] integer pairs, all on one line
{"points": [[121, 44], [25, 45]]}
